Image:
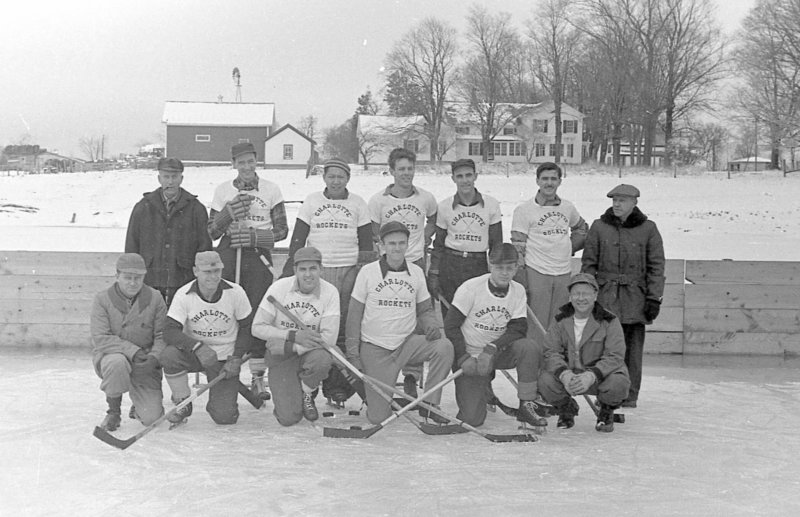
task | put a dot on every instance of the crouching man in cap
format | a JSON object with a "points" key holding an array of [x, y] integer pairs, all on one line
{"points": [[127, 322], [388, 299], [296, 357], [208, 330], [487, 326], [248, 216], [584, 354]]}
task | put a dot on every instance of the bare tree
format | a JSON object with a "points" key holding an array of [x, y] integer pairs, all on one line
{"points": [[368, 143], [93, 147], [425, 57], [308, 125]]}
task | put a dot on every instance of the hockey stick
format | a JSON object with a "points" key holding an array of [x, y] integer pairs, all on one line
{"points": [[368, 380], [119, 443]]}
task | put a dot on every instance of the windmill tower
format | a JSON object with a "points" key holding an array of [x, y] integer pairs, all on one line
{"points": [[237, 81]]}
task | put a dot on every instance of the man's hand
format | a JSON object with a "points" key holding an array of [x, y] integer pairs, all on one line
{"points": [[144, 361], [651, 309], [485, 360], [566, 378], [139, 357], [309, 339], [581, 383], [470, 366], [232, 367], [207, 357], [432, 333]]}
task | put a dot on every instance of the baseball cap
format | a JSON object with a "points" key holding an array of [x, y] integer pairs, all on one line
{"points": [[503, 254], [242, 148], [308, 253], [170, 165], [392, 227], [624, 190], [582, 278], [207, 261], [337, 162], [131, 263], [463, 162]]}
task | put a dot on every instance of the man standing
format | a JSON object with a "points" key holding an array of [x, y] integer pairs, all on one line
{"points": [[584, 352], [468, 225], [167, 228], [208, 329], [127, 322], [487, 325], [624, 251], [337, 223], [297, 359], [389, 297], [547, 231], [249, 214], [416, 208]]}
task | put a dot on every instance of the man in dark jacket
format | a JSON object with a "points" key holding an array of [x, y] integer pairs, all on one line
{"points": [[624, 251], [168, 227]]}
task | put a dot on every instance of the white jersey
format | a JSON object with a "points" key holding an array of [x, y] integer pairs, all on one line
{"points": [[333, 226], [318, 310], [215, 324], [390, 303], [487, 315], [468, 226], [412, 211], [264, 200], [548, 247]]}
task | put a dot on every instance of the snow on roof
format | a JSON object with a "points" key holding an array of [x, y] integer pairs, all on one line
{"points": [[388, 124], [184, 113]]}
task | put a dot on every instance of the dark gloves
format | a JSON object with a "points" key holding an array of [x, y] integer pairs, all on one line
{"points": [[651, 309], [144, 361], [239, 206], [207, 357], [232, 367], [485, 360]]}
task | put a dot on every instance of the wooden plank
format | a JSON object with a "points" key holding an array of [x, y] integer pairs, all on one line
{"points": [[742, 272], [730, 296], [52, 287], [742, 320], [663, 342], [53, 312], [30, 335], [670, 319], [750, 343], [673, 296], [673, 269]]}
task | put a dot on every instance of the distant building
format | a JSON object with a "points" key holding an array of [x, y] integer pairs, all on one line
{"points": [[288, 148], [203, 132], [526, 134], [33, 159], [750, 164]]}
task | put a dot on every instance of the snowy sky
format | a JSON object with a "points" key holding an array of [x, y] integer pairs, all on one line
{"points": [[92, 67]]}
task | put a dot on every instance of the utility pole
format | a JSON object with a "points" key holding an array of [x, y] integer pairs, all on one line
{"points": [[755, 145]]}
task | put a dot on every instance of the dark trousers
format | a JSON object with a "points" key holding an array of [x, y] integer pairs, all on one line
{"points": [[634, 350], [454, 271], [611, 391]]}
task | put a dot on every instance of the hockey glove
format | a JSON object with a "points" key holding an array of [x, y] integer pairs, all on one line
{"points": [[232, 367], [485, 360], [239, 206], [651, 309], [251, 238], [206, 356], [470, 366]]}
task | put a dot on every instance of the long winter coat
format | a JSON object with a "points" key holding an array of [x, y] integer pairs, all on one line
{"points": [[168, 243], [602, 346], [627, 258], [118, 328]]}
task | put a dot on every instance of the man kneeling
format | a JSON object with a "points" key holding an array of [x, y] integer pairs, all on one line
{"points": [[487, 325], [209, 319], [584, 354], [296, 357]]}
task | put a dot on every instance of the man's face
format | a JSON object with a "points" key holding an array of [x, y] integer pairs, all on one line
{"points": [[130, 283], [395, 246], [307, 273], [170, 182], [582, 298], [208, 278], [246, 165], [623, 206], [335, 180], [503, 273], [464, 178], [403, 173], [548, 182]]}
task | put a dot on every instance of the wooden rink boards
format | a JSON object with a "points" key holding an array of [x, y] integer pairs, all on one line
{"points": [[709, 307]]}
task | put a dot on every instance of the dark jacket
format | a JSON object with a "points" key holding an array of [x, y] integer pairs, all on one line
{"points": [[602, 346], [168, 243], [628, 261]]}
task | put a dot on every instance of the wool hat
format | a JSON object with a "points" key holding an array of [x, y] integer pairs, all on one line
{"points": [[504, 254], [170, 165], [243, 148], [624, 190], [582, 278], [308, 253], [337, 162], [393, 227], [131, 263], [207, 261], [463, 162]]}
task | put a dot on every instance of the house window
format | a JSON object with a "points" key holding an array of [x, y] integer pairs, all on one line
{"points": [[288, 151], [202, 138], [570, 150], [516, 148], [476, 149], [539, 150], [540, 126], [411, 145], [462, 130], [570, 126], [440, 147], [500, 149], [509, 131]]}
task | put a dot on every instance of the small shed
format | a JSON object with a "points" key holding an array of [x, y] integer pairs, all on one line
{"points": [[749, 164], [288, 148]]}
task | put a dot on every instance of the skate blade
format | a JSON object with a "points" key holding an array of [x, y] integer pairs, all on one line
{"points": [[533, 429]]}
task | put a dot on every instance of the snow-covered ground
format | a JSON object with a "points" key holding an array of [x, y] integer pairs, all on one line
{"points": [[712, 436]]}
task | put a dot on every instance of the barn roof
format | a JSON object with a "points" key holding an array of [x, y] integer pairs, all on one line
{"points": [[186, 113]]}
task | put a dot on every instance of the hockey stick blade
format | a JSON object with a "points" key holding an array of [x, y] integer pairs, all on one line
{"points": [[438, 430], [508, 438], [337, 432], [104, 436]]}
